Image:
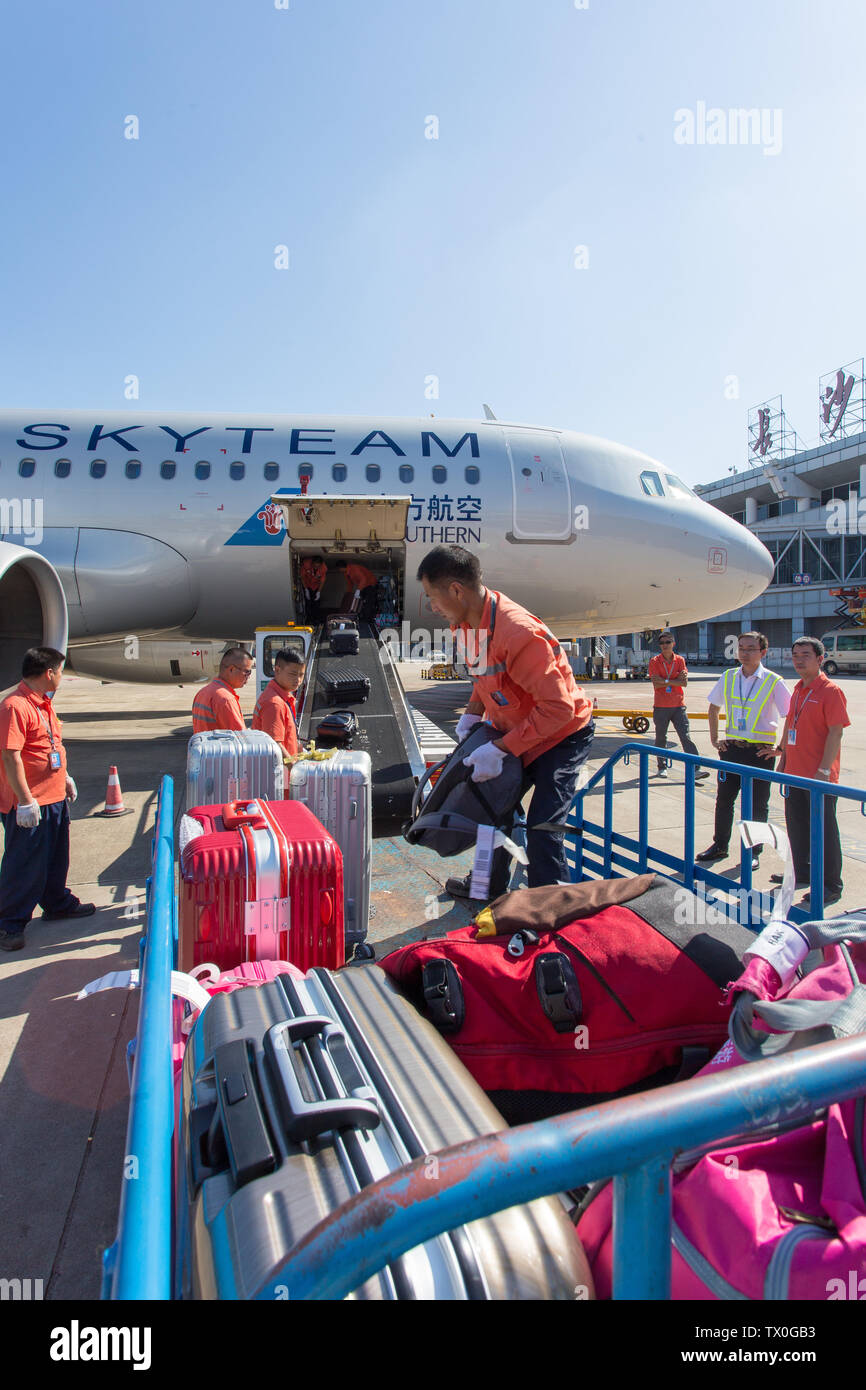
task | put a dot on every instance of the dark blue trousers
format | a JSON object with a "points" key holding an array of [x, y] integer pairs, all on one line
{"points": [[34, 867], [554, 778]]}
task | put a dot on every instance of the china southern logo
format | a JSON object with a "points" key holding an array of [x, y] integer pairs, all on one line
{"points": [[266, 526]]}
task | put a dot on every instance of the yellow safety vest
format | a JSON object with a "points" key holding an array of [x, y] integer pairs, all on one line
{"points": [[749, 709]]}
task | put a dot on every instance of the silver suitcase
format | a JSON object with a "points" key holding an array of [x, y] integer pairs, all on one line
{"points": [[233, 765], [296, 1094], [338, 791]]}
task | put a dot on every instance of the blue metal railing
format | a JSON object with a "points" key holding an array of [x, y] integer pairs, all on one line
{"points": [[597, 849], [634, 1140], [139, 1264]]}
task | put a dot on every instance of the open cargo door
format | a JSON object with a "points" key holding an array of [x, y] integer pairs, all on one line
{"points": [[345, 523]]}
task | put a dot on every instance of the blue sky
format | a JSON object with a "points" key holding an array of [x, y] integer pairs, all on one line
{"points": [[452, 257]]}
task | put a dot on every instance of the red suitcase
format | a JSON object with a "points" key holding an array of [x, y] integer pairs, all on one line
{"points": [[262, 881]]}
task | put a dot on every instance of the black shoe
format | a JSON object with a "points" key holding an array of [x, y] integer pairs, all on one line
{"points": [[709, 855], [829, 899], [11, 941], [780, 878], [459, 888], [79, 910], [702, 774]]}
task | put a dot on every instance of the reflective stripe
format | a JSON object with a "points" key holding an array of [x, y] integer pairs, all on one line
{"points": [[751, 709]]}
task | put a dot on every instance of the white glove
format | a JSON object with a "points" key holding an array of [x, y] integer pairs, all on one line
{"points": [[71, 789], [486, 762], [28, 816], [465, 723]]}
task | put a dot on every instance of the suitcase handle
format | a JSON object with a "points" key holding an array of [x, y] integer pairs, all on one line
{"points": [[353, 1106], [233, 816], [248, 1146]]}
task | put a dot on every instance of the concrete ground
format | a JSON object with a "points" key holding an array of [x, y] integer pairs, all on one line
{"points": [[63, 1089]]}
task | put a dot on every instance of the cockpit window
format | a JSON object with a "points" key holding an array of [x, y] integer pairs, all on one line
{"points": [[677, 487], [652, 484]]}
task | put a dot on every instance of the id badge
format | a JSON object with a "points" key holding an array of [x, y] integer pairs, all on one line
{"points": [[498, 696], [54, 761], [667, 690], [741, 724], [792, 737]]}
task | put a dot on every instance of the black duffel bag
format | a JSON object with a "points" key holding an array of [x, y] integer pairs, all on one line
{"points": [[446, 815]]}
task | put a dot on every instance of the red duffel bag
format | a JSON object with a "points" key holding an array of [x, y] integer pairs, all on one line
{"points": [[582, 990]]}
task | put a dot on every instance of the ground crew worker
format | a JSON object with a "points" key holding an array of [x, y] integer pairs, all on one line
{"points": [[669, 677], [522, 685], [755, 700], [363, 582], [35, 792], [217, 705], [276, 712], [809, 747], [314, 572]]}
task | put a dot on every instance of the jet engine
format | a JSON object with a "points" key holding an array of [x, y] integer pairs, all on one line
{"points": [[32, 609]]}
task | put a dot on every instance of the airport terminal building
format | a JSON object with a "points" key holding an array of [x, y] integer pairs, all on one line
{"points": [[808, 506]]}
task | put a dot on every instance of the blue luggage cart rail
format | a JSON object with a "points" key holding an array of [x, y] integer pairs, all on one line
{"points": [[595, 849]]}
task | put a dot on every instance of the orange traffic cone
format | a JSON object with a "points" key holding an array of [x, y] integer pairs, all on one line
{"points": [[113, 796]]}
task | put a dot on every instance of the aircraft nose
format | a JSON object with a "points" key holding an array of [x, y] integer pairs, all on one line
{"points": [[743, 557]]}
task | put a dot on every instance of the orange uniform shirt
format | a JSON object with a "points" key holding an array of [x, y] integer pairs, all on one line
{"points": [[216, 706], [814, 708], [25, 720], [359, 577], [523, 679], [667, 666], [276, 714], [313, 574]]}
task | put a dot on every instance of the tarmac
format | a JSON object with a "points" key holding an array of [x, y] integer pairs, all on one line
{"points": [[63, 1083]]}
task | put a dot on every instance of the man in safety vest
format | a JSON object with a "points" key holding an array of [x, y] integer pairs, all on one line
{"points": [[314, 572], [524, 687], [754, 700], [276, 712], [363, 582], [217, 705]]}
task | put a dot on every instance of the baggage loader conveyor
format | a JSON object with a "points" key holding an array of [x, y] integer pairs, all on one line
{"points": [[386, 729]]}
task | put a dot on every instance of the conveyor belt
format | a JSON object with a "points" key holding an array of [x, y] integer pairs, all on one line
{"points": [[381, 733]]}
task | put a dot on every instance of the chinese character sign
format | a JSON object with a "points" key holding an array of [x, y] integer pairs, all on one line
{"points": [[841, 398]]}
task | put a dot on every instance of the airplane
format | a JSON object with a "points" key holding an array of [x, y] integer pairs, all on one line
{"points": [[135, 539]]}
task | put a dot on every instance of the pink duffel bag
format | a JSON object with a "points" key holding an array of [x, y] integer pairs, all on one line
{"points": [[782, 1215]]}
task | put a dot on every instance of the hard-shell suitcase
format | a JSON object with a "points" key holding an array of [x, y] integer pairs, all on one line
{"points": [[340, 725], [338, 791], [233, 765], [295, 1094], [344, 684], [345, 642], [259, 880]]}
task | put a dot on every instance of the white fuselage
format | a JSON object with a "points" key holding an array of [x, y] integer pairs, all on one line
{"points": [[158, 522]]}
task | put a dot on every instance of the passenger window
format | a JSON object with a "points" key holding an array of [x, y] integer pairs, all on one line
{"points": [[406, 473], [652, 484], [202, 471], [338, 472], [472, 474], [373, 472], [97, 468], [305, 470], [167, 470], [133, 469], [237, 471], [62, 468], [26, 468], [440, 473], [272, 472]]}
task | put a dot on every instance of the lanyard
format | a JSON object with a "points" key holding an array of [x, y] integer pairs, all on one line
{"points": [[669, 670], [48, 729], [799, 710], [745, 702]]}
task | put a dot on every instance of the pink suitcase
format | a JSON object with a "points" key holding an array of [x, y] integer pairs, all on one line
{"points": [[260, 880]]}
